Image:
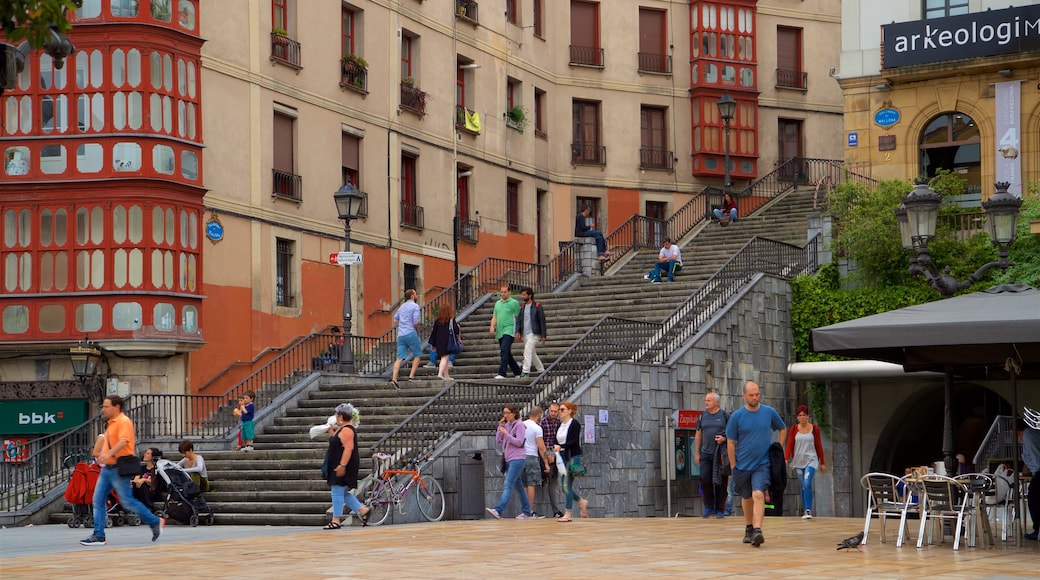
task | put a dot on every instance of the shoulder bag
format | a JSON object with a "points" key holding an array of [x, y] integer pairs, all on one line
{"points": [[454, 344], [128, 466]]}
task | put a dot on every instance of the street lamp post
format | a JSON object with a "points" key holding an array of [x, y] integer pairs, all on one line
{"points": [[348, 203], [918, 217], [85, 357], [727, 108]]}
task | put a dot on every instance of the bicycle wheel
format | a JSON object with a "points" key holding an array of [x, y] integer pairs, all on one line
{"points": [[379, 499], [430, 497]]}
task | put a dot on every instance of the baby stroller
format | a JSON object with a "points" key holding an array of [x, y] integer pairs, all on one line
{"points": [[184, 501], [80, 493]]}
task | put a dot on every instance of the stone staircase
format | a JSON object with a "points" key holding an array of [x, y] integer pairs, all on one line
{"points": [[280, 482]]}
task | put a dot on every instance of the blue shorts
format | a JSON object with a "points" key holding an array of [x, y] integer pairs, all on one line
{"points": [[409, 342], [744, 482]]}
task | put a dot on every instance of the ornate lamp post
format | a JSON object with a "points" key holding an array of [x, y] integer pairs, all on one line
{"points": [[85, 357], [727, 108], [918, 217], [348, 203]]}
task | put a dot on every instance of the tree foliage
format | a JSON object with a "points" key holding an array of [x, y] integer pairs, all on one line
{"points": [[32, 19], [1025, 252]]}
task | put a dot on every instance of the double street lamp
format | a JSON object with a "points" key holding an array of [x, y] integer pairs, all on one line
{"points": [[918, 217], [348, 203]]}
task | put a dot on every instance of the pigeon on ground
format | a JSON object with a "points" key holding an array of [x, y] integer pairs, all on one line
{"points": [[852, 542]]}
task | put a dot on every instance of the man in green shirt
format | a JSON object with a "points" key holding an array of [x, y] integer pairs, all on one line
{"points": [[503, 326]]}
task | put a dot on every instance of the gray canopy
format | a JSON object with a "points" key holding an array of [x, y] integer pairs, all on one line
{"points": [[975, 334]]}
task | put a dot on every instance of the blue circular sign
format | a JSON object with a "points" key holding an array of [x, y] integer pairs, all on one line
{"points": [[214, 230], [886, 117]]}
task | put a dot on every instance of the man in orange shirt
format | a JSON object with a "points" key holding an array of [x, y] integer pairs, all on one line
{"points": [[116, 442]]}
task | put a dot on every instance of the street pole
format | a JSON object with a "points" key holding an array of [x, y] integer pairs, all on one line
{"points": [[346, 350]]}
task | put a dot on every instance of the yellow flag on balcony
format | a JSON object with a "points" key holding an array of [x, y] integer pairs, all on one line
{"points": [[473, 121]]}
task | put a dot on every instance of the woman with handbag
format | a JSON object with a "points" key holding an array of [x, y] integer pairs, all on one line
{"points": [[446, 338], [568, 446], [343, 454]]}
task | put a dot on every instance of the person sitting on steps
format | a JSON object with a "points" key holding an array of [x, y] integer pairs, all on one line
{"points": [[583, 228], [728, 212]]}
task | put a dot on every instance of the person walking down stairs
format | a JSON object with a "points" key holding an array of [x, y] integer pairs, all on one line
{"points": [[503, 326], [531, 330]]}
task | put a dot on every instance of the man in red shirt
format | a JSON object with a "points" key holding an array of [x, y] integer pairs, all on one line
{"points": [[117, 441]]}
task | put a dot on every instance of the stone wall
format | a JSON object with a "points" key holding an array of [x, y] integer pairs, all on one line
{"points": [[751, 340]]}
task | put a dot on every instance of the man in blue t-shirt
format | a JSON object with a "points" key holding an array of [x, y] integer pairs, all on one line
{"points": [[748, 436], [408, 343]]}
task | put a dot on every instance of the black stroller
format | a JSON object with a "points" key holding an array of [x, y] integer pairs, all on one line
{"points": [[184, 501]]}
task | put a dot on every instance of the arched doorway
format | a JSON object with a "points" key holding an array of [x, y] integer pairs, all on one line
{"points": [[913, 434], [951, 141]]}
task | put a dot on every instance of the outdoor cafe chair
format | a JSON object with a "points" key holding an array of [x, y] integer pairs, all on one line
{"points": [[943, 499], [887, 497]]}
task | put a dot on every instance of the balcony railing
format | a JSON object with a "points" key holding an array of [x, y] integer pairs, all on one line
{"points": [[413, 99], [355, 77], [588, 154], [587, 56], [655, 63], [412, 216], [287, 185], [461, 113], [469, 230], [285, 50], [467, 9], [655, 158], [792, 79]]}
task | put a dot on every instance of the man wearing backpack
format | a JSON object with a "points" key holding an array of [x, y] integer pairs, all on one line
{"points": [[531, 330], [709, 444]]}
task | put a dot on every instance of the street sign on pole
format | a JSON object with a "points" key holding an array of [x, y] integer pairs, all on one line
{"points": [[344, 258]]}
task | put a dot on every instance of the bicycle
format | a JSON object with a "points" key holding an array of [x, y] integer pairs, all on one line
{"points": [[391, 486]]}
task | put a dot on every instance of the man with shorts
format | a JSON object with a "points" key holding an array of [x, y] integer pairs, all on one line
{"points": [[407, 318], [536, 462], [749, 433]]}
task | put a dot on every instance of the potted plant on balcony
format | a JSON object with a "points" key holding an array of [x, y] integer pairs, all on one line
{"points": [[408, 82], [353, 62], [516, 117], [460, 8]]}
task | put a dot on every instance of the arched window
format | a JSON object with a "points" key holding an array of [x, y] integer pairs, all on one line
{"points": [[951, 141]]}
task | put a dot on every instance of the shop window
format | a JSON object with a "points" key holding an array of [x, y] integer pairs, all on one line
{"points": [[88, 317], [951, 142], [944, 8]]}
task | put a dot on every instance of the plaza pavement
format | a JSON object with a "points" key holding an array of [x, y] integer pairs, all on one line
{"points": [[591, 548]]}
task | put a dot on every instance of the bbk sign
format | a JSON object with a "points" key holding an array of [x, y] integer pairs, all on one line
{"points": [[989, 33], [41, 416]]}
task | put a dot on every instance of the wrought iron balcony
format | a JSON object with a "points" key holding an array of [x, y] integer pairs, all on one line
{"points": [[469, 230], [792, 79], [588, 154], [355, 77], [467, 9], [587, 56], [285, 50], [655, 158], [287, 185], [655, 63], [412, 216], [460, 120], [413, 99]]}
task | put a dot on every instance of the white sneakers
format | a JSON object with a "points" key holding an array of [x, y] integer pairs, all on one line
{"points": [[808, 515]]}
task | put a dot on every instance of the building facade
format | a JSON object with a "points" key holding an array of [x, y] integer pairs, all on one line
{"points": [[943, 85], [510, 119]]}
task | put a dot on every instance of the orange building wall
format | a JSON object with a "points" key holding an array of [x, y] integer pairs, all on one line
{"points": [[622, 204]]}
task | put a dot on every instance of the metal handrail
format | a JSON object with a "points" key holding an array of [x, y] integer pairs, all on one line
{"points": [[464, 406]]}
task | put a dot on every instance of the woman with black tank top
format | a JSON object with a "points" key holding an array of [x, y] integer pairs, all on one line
{"points": [[343, 462]]}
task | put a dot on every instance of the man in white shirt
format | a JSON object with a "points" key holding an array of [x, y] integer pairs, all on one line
{"points": [[669, 261], [536, 456]]}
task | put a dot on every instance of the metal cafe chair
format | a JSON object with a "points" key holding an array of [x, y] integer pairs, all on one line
{"points": [[943, 499], [887, 497]]}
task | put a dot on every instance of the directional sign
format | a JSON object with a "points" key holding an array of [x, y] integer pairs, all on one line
{"points": [[344, 258]]}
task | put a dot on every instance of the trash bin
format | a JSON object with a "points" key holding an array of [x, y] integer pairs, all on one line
{"points": [[471, 484]]}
